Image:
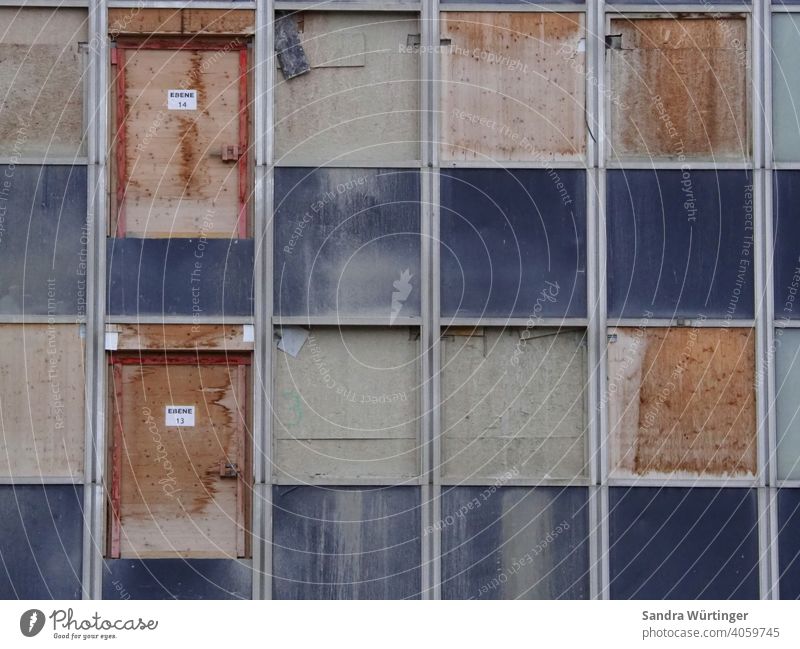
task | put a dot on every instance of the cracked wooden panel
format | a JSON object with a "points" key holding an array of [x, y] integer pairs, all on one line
{"points": [[682, 402]]}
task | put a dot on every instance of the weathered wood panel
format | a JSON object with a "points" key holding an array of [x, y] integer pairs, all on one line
{"points": [[41, 541], [346, 543], [181, 579], [671, 543], [173, 498], [180, 276], [789, 543], [41, 81], [787, 405], [514, 402], [176, 181], [680, 244], [347, 242], [43, 240], [180, 21], [360, 100], [41, 400], [786, 242], [679, 87], [513, 86], [515, 543], [180, 337], [513, 243], [682, 402], [347, 406]]}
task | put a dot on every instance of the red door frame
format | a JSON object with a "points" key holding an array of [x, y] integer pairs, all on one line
{"points": [[118, 58], [117, 360]]}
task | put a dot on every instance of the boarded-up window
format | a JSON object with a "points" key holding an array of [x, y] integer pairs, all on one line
{"points": [[679, 87], [179, 461], [41, 81], [347, 243], [360, 98], [346, 543], [514, 543], [181, 139], [513, 243], [513, 86], [514, 403], [680, 244], [682, 402], [787, 405], [41, 400], [670, 543], [346, 403]]}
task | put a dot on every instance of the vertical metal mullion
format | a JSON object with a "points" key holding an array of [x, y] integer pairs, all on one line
{"points": [[263, 78]]}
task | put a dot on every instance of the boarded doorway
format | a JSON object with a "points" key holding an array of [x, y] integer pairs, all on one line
{"points": [[179, 468], [181, 140]]}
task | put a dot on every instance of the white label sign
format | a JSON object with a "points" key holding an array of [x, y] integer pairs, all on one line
{"points": [[182, 99], [179, 415]]}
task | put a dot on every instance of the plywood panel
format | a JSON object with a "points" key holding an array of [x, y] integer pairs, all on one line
{"points": [[173, 500], [41, 400], [43, 240], [682, 402], [680, 244], [513, 86], [346, 543], [180, 337], [347, 242], [513, 243], [670, 543], [340, 110], [515, 543], [514, 402], [41, 541], [347, 406], [181, 579], [177, 183], [679, 88], [180, 21], [41, 81]]}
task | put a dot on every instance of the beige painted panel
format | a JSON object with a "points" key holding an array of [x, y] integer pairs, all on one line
{"points": [[178, 184], [682, 402], [41, 81], [41, 400], [513, 86], [679, 88], [347, 406], [136, 20], [514, 404], [360, 100], [173, 501]]}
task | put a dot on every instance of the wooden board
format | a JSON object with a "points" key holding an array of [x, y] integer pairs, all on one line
{"points": [[41, 400], [679, 87], [682, 402], [180, 337], [181, 21], [166, 484], [175, 183], [513, 86], [41, 81], [360, 100], [514, 406]]}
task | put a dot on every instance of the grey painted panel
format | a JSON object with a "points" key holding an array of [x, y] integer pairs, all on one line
{"points": [[41, 541], [514, 401], [183, 579], [346, 543], [787, 408], [347, 242], [673, 543], [515, 543], [785, 87], [43, 240]]}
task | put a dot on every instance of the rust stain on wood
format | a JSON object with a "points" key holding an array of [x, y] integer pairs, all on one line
{"points": [[680, 87], [180, 337], [181, 21], [682, 402]]}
